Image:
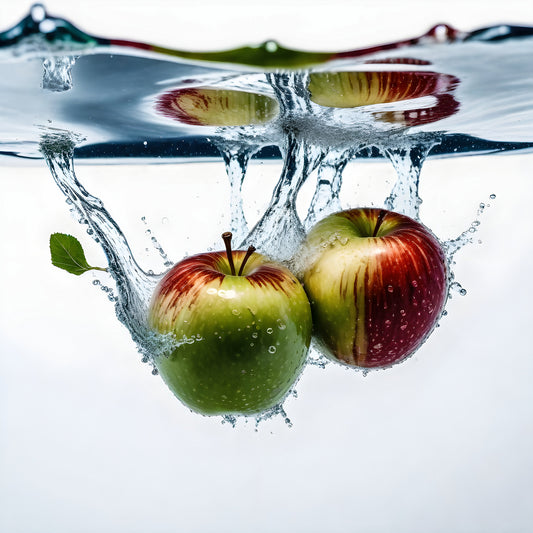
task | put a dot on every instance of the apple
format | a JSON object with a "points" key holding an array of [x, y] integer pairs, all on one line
{"points": [[360, 89], [241, 328], [377, 283], [210, 106]]}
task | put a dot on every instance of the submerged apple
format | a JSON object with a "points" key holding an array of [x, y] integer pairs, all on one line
{"points": [[377, 283], [242, 327]]}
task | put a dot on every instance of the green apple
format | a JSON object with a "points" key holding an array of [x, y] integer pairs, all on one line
{"points": [[377, 283], [241, 326]]}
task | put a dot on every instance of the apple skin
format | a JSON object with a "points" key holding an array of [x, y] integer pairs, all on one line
{"points": [[208, 106], [374, 299], [241, 341]]}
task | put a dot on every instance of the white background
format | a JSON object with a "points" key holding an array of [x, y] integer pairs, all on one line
{"points": [[91, 441]]}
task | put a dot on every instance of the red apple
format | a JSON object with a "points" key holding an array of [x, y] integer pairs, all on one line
{"points": [[241, 326], [377, 283]]}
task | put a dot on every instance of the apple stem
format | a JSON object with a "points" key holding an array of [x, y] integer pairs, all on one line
{"points": [[249, 252], [381, 216], [227, 241]]}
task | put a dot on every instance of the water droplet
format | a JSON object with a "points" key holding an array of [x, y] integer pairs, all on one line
{"points": [[271, 46], [235, 312], [390, 288], [37, 13], [492, 196], [281, 324], [269, 331], [47, 26], [272, 349]]}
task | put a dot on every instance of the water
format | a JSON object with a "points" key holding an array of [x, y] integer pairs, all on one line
{"points": [[431, 97]]}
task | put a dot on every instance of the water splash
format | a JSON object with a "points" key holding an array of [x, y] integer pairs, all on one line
{"points": [[407, 160], [57, 75], [236, 158], [155, 243], [326, 198], [133, 285], [452, 246], [280, 231]]}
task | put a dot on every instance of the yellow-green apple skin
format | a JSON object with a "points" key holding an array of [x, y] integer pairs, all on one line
{"points": [[377, 283], [240, 340], [206, 106]]}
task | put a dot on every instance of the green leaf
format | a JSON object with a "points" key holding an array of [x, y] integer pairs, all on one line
{"points": [[68, 254]]}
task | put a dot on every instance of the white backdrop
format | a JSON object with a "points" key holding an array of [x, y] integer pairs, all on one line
{"points": [[91, 441]]}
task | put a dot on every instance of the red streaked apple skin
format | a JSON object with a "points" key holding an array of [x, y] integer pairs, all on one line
{"points": [[241, 341], [374, 299], [209, 106]]}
